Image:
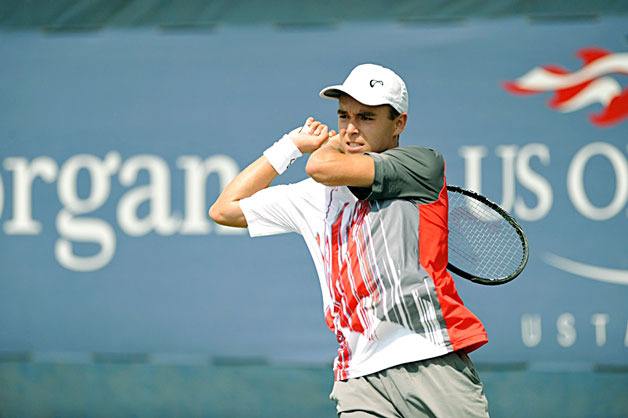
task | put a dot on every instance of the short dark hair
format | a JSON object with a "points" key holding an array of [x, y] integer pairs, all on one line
{"points": [[392, 113]]}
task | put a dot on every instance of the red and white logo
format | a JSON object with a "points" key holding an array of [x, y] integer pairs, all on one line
{"points": [[589, 85]]}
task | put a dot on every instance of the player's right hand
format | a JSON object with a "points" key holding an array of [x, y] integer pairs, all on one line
{"points": [[310, 136]]}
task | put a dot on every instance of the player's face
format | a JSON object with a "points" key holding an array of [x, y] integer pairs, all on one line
{"points": [[368, 128]]}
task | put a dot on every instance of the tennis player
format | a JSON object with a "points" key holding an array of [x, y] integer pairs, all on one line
{"points": [[374, 218]]}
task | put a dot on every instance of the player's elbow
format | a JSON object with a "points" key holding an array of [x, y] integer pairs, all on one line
{"points": [[319, 170], [215, 213], [312, 168], [219, 214], [227, 214]]}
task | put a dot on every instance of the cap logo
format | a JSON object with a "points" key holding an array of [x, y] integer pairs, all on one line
{"points": [[373, 83]]}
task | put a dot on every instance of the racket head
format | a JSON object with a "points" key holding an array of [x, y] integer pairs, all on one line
{"points": [[486, 244]]}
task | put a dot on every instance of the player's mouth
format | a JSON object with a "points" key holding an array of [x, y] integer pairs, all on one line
{"points": [[354, 147]]}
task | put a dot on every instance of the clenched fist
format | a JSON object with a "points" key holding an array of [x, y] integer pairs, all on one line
{"points": [[311, 136]]}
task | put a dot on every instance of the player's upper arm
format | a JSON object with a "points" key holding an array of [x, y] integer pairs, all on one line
{"points": [[333, 168], [407, 173]]}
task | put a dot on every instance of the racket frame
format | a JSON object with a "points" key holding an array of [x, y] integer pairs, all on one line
{"points": [[522, 236]]}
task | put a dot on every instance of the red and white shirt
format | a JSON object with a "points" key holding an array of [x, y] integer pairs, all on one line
{"points": [[381, 261]]}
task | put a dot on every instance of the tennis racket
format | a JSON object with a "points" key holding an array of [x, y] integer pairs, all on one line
{"points": [[486, 244]]}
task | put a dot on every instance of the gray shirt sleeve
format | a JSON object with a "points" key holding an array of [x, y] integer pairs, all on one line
{"points": [[414, 173]]}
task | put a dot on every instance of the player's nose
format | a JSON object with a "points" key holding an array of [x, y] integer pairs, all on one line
{"points": [[352, 128]]}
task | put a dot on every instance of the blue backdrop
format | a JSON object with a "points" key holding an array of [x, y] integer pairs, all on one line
{"points": [[114, 144]]}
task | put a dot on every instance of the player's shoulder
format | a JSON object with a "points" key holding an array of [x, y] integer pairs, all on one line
{"points": [[308, 184], [308, 189], [414, 151], [411, 155]]}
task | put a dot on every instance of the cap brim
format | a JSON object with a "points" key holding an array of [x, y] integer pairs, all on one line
{"points": [[333, 92]]}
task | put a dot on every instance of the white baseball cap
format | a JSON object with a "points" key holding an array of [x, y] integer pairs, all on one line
{"points": [[372, 85]]}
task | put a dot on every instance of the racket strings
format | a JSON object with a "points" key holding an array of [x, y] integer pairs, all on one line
{"points": [[486, 248], [483, 260], [481, 241]]}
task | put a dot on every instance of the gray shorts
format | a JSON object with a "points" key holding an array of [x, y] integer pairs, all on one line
{"points": [[446, 386]]}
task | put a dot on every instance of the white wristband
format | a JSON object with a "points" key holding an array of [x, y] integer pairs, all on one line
{"points": [[282, 153]]}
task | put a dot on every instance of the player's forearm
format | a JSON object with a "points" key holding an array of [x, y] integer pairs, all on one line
{"points": [[257, 176], [330, 166]]}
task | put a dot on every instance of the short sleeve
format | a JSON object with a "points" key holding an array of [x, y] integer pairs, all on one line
{"points": [[405, 173], [280, 209]]}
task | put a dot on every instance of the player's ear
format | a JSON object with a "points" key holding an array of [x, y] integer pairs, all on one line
{"points": [[400, 123]]}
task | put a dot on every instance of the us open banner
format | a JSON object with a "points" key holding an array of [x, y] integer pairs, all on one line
{"points": [[113, 145]]}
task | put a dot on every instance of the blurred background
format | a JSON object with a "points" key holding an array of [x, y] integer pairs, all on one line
{"points": [[121, 121]]}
